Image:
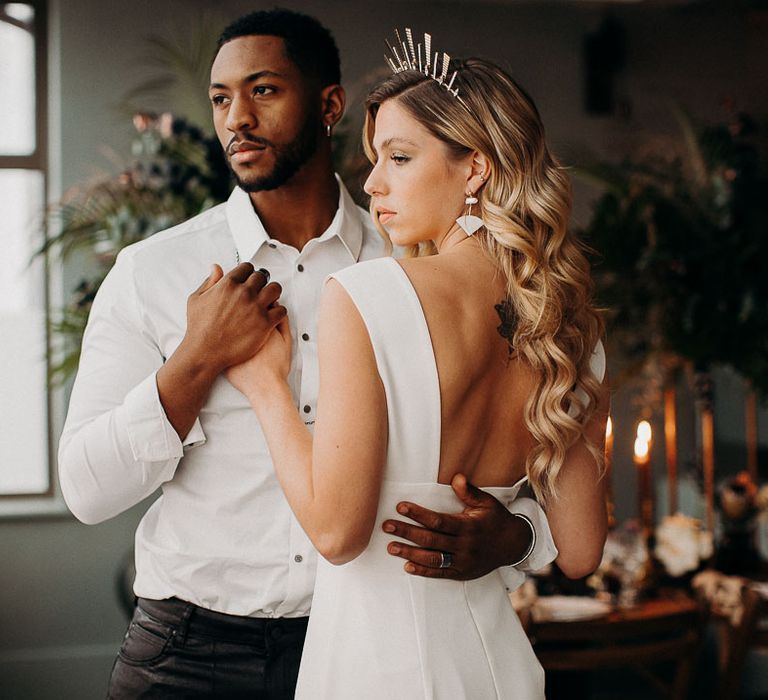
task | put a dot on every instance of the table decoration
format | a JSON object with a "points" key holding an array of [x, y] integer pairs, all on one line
{"points": [[681, 545], [741, 508], [722, 593], [624, 570]]}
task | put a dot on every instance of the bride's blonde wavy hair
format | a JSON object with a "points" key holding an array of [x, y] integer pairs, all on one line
{"points": [[525, 204]]}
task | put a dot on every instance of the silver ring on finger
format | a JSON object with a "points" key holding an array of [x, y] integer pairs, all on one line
{"points": [[446, 560]]}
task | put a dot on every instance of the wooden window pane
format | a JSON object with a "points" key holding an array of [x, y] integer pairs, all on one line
{"points": [[17, 79], [24, 465]]}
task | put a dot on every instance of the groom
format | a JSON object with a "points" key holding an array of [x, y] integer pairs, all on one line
{"points": [[224, 574]]}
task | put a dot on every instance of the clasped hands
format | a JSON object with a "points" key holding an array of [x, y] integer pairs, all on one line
{"points": [[243, 330], [231, 317]]}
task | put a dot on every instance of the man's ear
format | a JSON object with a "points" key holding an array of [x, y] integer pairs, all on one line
{"points": [[333, 100]]}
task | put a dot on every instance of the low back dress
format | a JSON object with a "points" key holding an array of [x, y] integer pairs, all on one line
{"points": [[376, 632]]}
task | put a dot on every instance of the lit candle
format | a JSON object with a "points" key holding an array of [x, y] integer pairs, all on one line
{"points": [[610, 508], [644, 484], [641, 450]]}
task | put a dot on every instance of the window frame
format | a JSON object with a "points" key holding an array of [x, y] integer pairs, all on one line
{"points": [[38, 160], [50, 501]]}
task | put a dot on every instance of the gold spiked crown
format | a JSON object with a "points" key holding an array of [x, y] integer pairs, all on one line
{"points": [[405, 55]]}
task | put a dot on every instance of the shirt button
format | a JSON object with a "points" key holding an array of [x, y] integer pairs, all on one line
{"points": [[305, 336], [307, 409], [298, 559], [272, 245], [300, 267]]}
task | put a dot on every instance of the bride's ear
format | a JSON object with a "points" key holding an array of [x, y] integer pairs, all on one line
{"points": [[479, 172]]}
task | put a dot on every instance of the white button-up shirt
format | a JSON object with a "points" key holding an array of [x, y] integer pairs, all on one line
{"points": [[221, 535]]}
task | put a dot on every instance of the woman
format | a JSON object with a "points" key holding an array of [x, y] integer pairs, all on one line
{"points": [[476, 358]]}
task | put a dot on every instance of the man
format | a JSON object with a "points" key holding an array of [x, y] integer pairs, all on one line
{"points": [[224, 574]]}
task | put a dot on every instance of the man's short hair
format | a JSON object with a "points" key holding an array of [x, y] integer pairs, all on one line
{"points": [[307, 42]]}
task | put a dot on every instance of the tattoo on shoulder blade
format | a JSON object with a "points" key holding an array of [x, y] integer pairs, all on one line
{"points": [[508, 322]]}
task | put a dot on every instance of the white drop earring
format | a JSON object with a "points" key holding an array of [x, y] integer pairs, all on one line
{"points": [[470, 223], [328, 130]]}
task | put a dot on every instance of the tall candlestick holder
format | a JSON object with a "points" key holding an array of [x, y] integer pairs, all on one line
{"points": [[642, 459], [704, 388], [609, 502], [670, 443], [750, 425]]}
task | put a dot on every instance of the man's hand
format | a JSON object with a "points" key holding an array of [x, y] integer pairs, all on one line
{"points": [[230, 317], [483, 537]]}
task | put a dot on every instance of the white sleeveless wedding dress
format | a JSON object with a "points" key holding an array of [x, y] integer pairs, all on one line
{"points": [[375, 632]]}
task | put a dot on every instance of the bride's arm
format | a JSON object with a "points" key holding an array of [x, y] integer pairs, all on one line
{"points": [[577, 518], [332, 483]]}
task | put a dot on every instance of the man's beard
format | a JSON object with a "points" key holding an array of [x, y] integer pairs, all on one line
{"points": [[288, 158]]}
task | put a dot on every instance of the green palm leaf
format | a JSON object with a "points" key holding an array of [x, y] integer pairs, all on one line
{"points": [[177, 74]]}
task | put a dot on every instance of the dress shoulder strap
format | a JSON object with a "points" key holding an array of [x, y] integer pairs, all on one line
{"points": [[597, 364], [597, 361], [394, 319]]}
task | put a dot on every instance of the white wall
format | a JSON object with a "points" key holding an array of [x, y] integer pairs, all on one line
{"points": [[59, 620]]}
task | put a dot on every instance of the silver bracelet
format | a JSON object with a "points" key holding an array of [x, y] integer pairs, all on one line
{"points": [[529, 551]]}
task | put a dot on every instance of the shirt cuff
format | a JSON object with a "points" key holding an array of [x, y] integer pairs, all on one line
{"points": [[195, 436], [151, 436], [544, 552], [512, 576]]}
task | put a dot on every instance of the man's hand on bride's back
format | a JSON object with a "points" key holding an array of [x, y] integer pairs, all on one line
{"points": [[463, 546]]}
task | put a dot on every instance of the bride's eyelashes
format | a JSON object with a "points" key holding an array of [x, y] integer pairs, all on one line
{"points": [[400, 158]]}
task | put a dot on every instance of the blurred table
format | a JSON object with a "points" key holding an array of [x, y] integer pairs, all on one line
{"points": [[656, 613], [664, 630]]}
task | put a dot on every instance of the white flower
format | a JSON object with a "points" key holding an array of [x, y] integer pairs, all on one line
{"points": [[761, 500], [722, 593], [706, 544], [680, 544]]}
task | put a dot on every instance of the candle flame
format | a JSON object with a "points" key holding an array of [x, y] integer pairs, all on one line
{"points": [[641, 448], [644, 430], [609, 428]]}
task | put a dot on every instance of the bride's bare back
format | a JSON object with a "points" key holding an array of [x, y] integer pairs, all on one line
{"points": [[483, 390]]}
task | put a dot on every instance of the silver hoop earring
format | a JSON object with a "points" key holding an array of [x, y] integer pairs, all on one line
{"points": [[470, 223]]}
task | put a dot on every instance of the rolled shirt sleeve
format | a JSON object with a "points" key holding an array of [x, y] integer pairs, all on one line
{"points": [[150, 434], [117, 446]]}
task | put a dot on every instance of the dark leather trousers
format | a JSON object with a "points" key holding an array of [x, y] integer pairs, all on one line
{"points": [[174, 649]]}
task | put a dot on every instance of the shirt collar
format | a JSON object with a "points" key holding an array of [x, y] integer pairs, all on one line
{"points": [[249, 233]]}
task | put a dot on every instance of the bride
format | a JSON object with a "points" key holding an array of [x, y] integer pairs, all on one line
{"points": [[479, 353]]}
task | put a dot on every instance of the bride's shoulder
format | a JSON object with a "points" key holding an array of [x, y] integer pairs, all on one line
{"points": [[423, 266], [361, 270], [370, 279], [448, 273]]}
